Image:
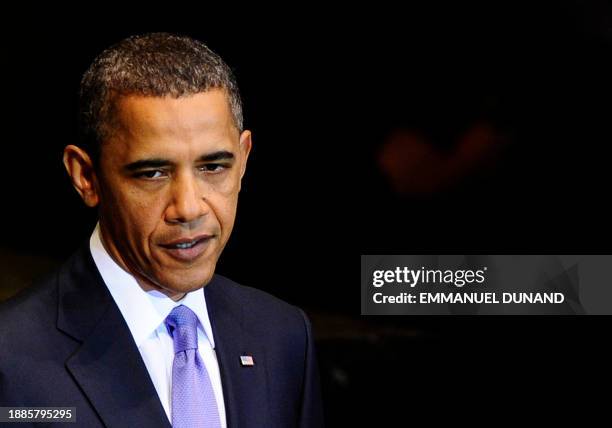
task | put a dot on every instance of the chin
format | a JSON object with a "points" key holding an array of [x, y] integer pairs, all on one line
{"points": [[187, 283]]}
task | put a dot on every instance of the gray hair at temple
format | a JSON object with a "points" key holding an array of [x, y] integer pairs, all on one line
{"points": [[157, 65]]}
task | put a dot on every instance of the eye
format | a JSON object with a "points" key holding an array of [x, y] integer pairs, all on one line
{"points": [[151, 175], [212, 168]]}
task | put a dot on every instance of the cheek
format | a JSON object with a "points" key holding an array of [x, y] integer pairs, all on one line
{"points": [[138, 212], [223, 199], [224, 207], [226, 186]]}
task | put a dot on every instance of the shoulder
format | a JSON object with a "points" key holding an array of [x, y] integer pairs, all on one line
{"points": [[260, 309], [34, 305], [30, 318], [29, 326], [40, 300], [258, 299]]}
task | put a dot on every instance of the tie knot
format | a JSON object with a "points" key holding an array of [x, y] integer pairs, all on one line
{"points": [[182, 326]]}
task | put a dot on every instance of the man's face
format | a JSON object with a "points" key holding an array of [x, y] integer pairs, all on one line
{"points": [[168, 183]]}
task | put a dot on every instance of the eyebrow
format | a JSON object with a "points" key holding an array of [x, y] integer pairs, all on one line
{"points": [[160, 162], [220, 155]]}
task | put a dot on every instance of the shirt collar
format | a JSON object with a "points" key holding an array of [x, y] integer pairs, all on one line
{"points": [[142, 310]]}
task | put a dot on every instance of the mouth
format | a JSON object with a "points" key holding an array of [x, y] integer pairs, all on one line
{"points": [[187, 249]]}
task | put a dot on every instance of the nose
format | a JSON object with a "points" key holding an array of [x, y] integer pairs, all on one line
{"points": [[187, 201]]}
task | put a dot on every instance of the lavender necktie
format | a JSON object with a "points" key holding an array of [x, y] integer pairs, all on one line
{"points": [[193, 399]]}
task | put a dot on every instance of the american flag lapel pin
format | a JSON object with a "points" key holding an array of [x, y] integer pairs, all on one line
{"points": [[246, 361]]}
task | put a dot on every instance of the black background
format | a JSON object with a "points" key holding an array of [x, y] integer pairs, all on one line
{"points": [[323, 89]]}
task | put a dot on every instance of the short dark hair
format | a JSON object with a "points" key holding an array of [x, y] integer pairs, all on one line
{"points": [[157, 65]]}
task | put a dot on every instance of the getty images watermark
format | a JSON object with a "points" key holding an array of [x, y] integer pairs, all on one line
{"points": [[476, 284], [457, 278]]}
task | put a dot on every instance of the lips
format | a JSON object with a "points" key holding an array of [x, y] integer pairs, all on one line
{"points": [[187, 249], [185, 242]]}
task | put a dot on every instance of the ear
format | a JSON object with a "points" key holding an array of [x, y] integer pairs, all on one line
{"points": [[245, 149], [82, 173]]}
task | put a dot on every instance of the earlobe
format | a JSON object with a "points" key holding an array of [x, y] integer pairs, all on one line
{"points": [[79, 166]]}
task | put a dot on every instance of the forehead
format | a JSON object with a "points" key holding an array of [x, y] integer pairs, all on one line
{"points": [[190, 119]]}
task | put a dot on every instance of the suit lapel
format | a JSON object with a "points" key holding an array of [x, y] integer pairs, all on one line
{"points": [[244, 387], [107, 366]]}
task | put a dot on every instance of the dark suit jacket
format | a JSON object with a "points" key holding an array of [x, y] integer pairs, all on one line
{"points": [[64, 342]]}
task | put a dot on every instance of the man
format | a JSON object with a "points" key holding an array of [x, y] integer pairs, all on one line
{"points": [[136, 329]]}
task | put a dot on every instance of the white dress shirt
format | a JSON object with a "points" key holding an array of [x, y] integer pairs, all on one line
{"points": [[144, 313]]}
